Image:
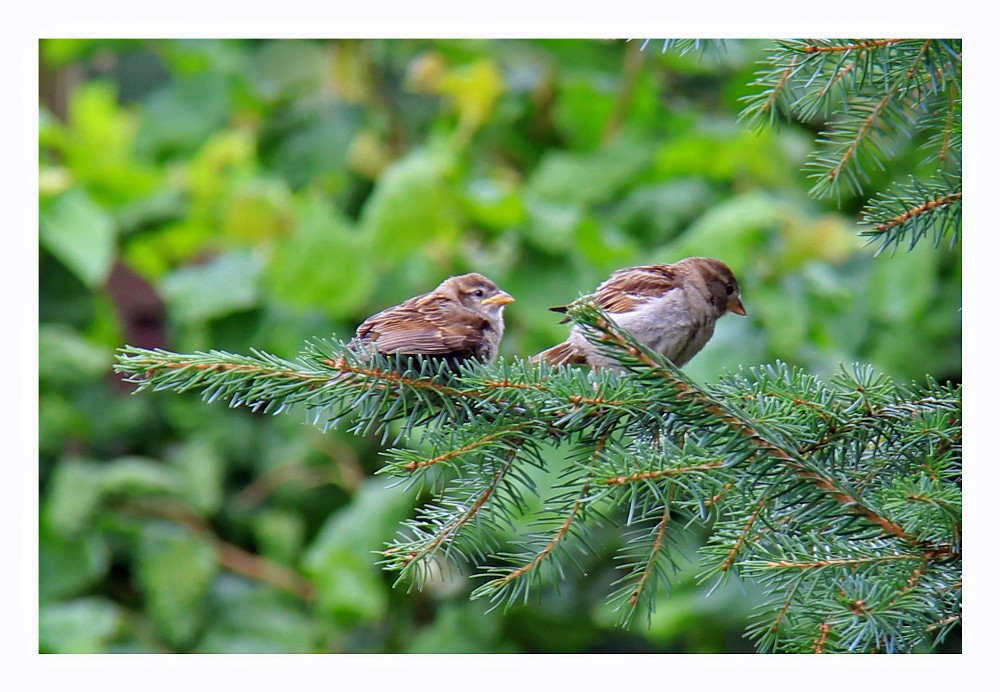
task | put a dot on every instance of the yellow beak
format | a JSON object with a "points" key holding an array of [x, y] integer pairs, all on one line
{"points": [[736, 305], [501, 298]]}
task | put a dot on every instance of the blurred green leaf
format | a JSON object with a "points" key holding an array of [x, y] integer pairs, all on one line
{"points": [[102, 132], [552, 226], [659, 211], [201, 472], [51, 133], [591, 177], [283, 69], [105, 332], [280, 534], [783, 309], [461, 628], [57, 52], [494, 203], [839, 305], [721, 151], [225, 284], [736, 342], [66, 358], [73, 496], [187, 56], [59, 419], [585, 103], [257, 211], [78, 488], [226, 155], [312, 142], [137, 476], [182, 114], [900, 290], [176, 568], [82, 626], [413, 207], [604, 246], [99, 146], [473, 90], [81, 234], [252, 619], [324, 264], [734, 231], [829, 238], [341, 561], [68, 565], [351, 589]]}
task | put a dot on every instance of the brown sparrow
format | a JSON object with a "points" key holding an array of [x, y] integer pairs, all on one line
{"points": [[460, 319], [670, 308]]}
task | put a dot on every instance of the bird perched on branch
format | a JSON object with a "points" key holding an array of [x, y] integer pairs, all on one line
{"points": [[459, 320], [670, 308]]}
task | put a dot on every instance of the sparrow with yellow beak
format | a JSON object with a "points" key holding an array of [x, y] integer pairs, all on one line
{"points": [[459, 320]]}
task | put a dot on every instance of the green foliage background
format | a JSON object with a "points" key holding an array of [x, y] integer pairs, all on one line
{"points": [[238, 194]]}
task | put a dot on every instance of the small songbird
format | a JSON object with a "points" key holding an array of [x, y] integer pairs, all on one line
{"points": [[670, 308], [459, 320]]}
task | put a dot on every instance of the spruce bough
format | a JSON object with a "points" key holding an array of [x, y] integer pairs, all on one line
{"points": [[841, 499]]}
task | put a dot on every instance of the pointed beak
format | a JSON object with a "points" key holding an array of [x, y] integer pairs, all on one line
{"points": [[736, 305], [501, 298]]}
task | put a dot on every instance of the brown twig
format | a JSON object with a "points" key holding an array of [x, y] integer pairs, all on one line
{"points": [[230, 556], [824, 634], [772, 98], [661, 530], [862, 45], [560, 533], [783, 564], [866, 126], [731, 558], [390, 376], [454, 453], [918, 210], [248, 564], [647, 475], [550, 546], [785, 606], [461, 520]]}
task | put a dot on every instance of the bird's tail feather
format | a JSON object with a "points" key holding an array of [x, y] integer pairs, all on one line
{"points": [[560, 354]]}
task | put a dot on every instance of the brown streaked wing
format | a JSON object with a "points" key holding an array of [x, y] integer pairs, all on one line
{"points": [[628, 288], [427, 324]]}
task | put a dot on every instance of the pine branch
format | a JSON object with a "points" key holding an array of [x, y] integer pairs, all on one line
{"points": [[507, 584], [876, 399], [943, 123], [760, 436], [842, 499], [684, 46], [874, 97], [438, 528], [331, 381], [645, 557], [912, 211]]}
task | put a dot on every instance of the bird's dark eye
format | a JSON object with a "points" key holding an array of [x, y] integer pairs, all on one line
{"points": [[729, 289], [478, 293]]}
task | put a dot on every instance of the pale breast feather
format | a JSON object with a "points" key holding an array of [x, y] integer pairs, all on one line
{"points": [[667, 325]]}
